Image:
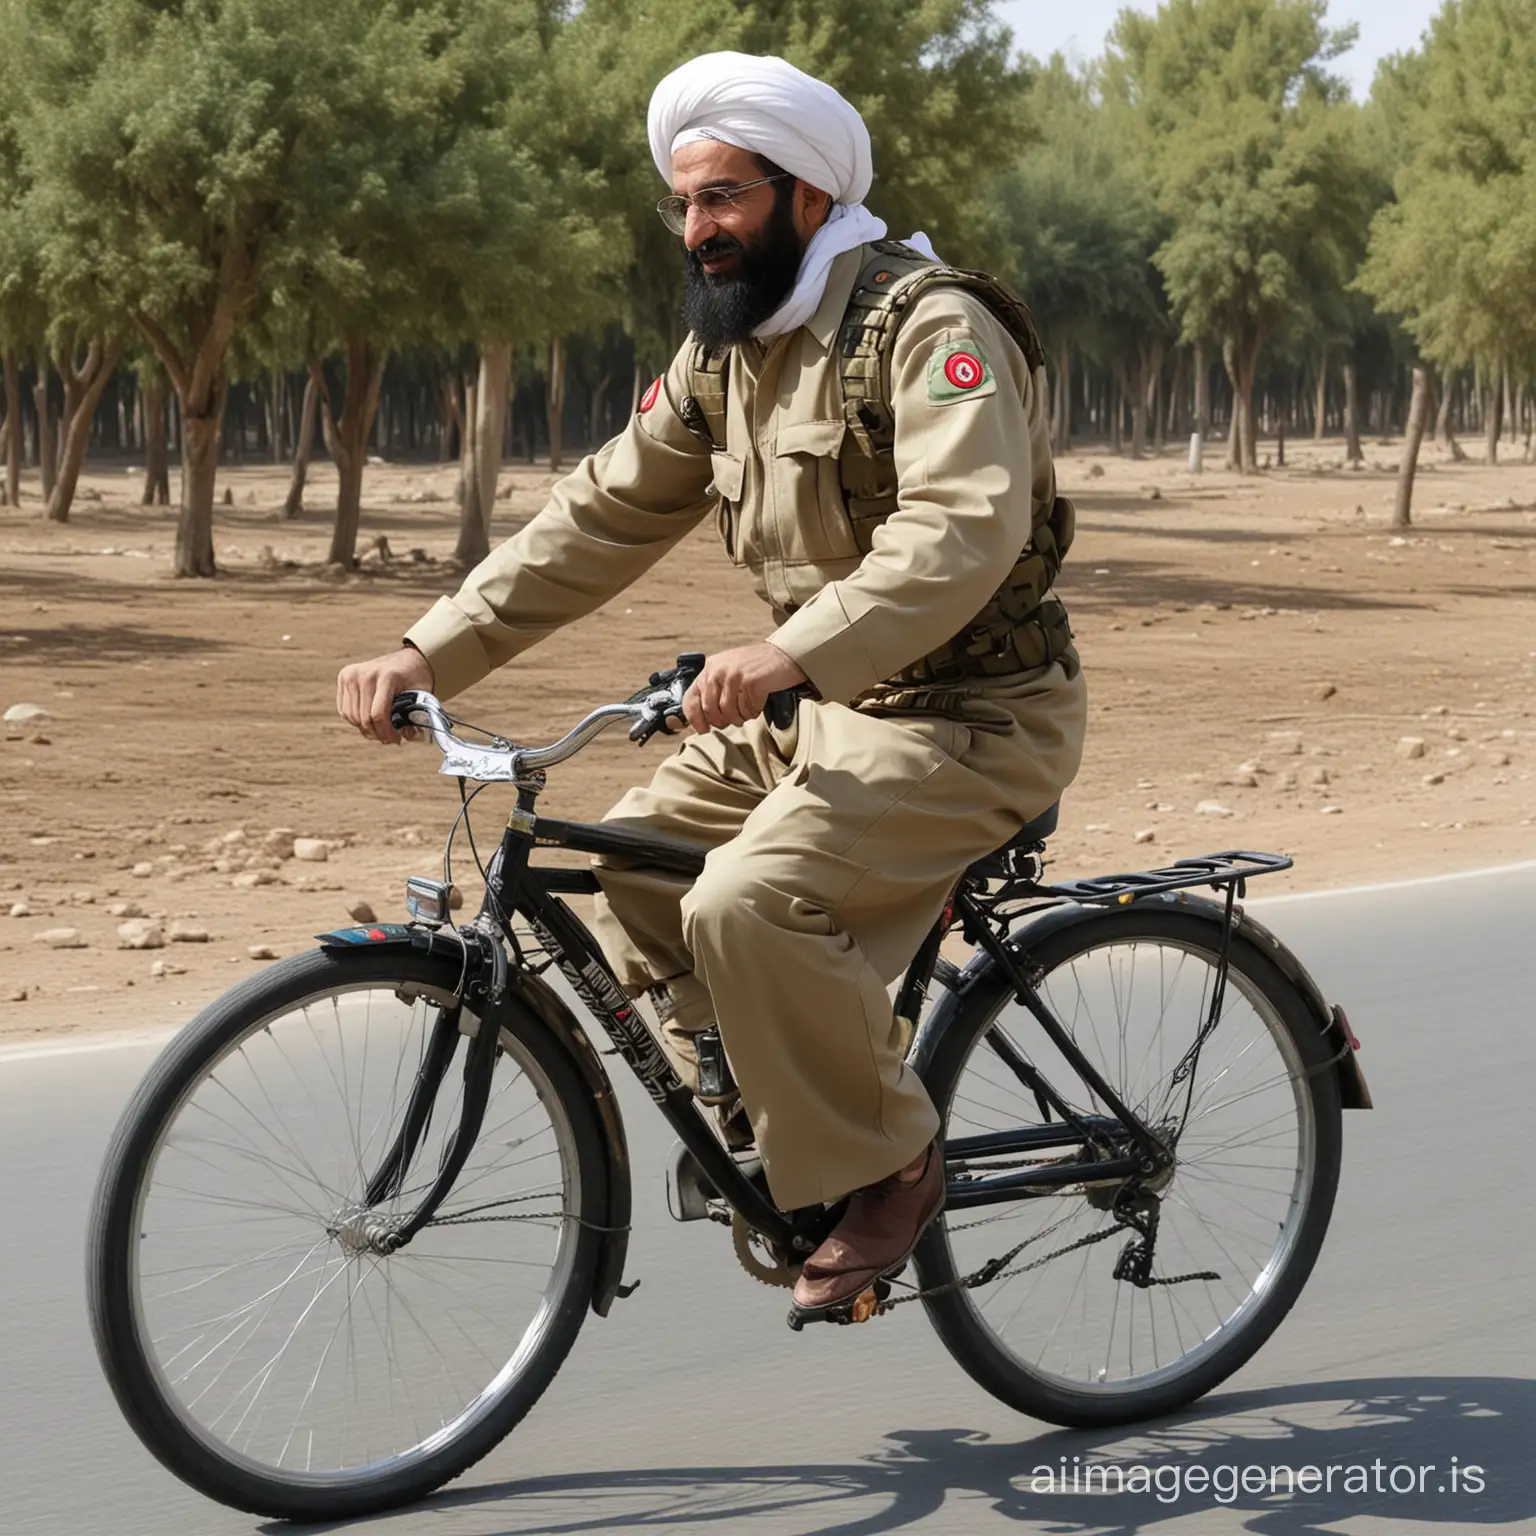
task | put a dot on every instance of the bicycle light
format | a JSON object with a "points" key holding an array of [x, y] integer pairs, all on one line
{"points": [[428, 901]]}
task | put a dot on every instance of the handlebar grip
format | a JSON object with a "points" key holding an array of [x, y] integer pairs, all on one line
{"points": [[784, 705], [400, 710]]}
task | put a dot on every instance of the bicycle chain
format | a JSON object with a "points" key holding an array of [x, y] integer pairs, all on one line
{"points": [[994, 1269], [469, 1218]]}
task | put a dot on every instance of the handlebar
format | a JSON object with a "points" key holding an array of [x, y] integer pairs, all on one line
{"points": [[646, 712]]}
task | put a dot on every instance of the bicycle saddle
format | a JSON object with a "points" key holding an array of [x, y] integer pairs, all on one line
{"points": [[1030, 833]]}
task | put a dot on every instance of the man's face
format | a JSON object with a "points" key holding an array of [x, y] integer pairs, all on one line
{"points": [[741, 260]]}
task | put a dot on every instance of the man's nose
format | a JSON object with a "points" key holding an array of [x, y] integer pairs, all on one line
{"points": [[698, 227]]}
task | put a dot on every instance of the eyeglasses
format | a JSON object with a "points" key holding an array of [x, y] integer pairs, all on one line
{"points": [[710, 201]]}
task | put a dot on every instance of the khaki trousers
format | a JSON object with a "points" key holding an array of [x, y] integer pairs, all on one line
{"points": [[833, 846]]}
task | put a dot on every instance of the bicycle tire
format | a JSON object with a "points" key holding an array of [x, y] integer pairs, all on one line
{"points": [[116, 1310], [955, 1313]]}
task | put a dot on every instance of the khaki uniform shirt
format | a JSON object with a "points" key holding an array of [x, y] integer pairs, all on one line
{"points": [[973, 462]]}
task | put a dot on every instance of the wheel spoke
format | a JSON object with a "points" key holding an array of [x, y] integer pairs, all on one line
{"points": [[1231, 1205], [271, 1324]]}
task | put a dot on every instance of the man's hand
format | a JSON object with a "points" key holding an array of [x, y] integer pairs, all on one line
{"points": [[365, 690], [734, 686]]}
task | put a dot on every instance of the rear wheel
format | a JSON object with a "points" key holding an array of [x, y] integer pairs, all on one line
{"points": [[262, 1348], [1248, 1200]]}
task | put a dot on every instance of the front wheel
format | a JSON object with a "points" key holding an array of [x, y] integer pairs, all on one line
{"points": [[255, 1336], [1257, 1133]]}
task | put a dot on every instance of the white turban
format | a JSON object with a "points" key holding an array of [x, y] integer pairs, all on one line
{"points": [[767, 106]]}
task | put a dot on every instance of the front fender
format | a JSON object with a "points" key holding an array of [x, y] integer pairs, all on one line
{"points": [[536, 995], [1353, 1091]]}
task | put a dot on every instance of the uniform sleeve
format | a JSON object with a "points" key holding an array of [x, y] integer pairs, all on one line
{"points": [[604, 526], [971, 456]]}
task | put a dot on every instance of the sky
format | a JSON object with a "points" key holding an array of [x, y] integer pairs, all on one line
{"points": [[1079, 27]]}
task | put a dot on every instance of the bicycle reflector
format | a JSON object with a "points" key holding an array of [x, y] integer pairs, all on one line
{"points": [[428, 901]]}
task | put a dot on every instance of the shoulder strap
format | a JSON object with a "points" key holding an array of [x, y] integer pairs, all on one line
{"points": [[703, 407], [889, 281]]}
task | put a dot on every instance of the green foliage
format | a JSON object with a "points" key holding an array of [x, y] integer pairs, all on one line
{"points": [[1455, 255], [1079, 222], [1248, 142]]}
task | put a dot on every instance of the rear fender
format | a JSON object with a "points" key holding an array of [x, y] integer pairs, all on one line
{"points": [[540, 999], [1331, 1022]]}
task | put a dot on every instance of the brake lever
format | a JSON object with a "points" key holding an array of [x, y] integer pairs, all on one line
{"points": [[784, 704]]}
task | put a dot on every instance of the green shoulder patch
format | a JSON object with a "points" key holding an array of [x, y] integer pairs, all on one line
{"points": [[958, 371]]}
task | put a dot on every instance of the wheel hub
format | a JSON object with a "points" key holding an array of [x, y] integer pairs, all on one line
{"points": [[360, 1230]]}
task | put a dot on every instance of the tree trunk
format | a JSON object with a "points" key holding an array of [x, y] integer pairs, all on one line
{"points": [[1418, 414], [1510, 414], [273, 404], [1492, 421], [157, 473], [1320, 408], [1242, 367], [1149, 365], [1173, 414], [199, 473], [1234, 457], [47, 459], [490, 425], [1352, 452], [1202, 411], [346, 439], [83, 388], [1117, 410], [474, 542], [303, 448], [635, 388], [12, 428], [1063, 432], [452, 415], [556, 404], [597, 431]]}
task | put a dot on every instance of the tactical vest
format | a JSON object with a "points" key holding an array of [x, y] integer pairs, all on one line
{"points": [[1020, 628]]}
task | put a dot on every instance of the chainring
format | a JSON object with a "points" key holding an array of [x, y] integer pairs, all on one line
{"points": [[769, 1270]]}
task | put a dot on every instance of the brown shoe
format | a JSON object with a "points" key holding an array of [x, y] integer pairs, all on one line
{"points": [[877, 1234]]}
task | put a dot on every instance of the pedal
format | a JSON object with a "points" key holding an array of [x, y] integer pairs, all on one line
{"points": [[689, 1190], [859, 1309]]}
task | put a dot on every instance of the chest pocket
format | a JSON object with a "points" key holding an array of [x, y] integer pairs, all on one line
{"points": [[812, 518], [729, 478]]}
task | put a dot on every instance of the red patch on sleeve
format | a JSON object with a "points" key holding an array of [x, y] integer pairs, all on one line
{"points": [[964, 371], [648, 399]]}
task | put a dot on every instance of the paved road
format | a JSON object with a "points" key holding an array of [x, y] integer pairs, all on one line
{"points": [[693, 1409]]}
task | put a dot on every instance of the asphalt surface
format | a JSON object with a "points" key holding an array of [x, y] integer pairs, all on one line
{"points": [[694, 1409]]}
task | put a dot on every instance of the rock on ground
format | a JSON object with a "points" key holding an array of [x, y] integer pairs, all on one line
{"points": [[311, 850], [140, 933], [60, 938]]}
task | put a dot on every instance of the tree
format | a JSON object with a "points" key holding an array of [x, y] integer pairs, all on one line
{"points": [[22, 319], [1243, 140], [1079, 228], [1455, 254], [191, 158]]}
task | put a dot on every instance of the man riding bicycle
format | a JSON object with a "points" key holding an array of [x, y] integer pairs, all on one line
{"points": [[868, 428]]}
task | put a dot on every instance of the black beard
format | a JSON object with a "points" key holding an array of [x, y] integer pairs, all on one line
{"points": [[724, 311]]}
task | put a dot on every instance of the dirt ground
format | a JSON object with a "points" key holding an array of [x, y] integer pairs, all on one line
{"points": [[1361, 700]]}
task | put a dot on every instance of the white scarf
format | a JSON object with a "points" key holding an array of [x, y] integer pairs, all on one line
{"points": [[849, 226]]}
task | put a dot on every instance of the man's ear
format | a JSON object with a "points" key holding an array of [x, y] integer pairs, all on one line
{"points": [[815, 205]]}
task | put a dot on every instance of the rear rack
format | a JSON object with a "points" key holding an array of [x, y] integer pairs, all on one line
{"points": [[1215, 869]]}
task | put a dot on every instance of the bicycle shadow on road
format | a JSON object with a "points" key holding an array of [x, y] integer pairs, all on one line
{"points": [[1409, 1422]]}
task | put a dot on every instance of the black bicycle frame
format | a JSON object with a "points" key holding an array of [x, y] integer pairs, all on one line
{"points": [[1121, 1146]]}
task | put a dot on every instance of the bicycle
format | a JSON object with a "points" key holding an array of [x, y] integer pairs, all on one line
{"points": [[320, 1290]]}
